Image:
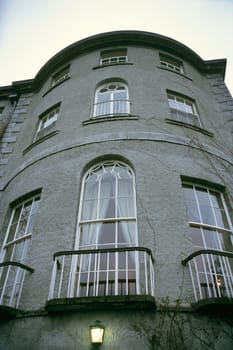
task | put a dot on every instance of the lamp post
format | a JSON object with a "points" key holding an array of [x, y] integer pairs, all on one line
{"points": [[97, 333]]}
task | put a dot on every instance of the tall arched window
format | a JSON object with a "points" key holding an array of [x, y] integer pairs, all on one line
{"points": [[107, 263], [111, 99], [106, 260], [108, 207]]}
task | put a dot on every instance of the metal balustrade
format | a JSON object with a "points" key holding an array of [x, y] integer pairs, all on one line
{"points": [[102, 272], [111, 108], [12, 276], [211, 274]]}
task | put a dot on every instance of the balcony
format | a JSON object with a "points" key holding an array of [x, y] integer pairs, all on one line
{"points": [[111, 108], [212, 279], [99, 278], [12, 276]]}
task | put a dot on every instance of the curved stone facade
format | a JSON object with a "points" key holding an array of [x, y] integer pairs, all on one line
{"points": [[152, 104]]}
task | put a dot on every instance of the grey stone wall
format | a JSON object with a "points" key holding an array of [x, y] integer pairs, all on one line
{"points": [[135, 330], [11, 126]]}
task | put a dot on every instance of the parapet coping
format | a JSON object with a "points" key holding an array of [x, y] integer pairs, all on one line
{"points": [[117, 136]]}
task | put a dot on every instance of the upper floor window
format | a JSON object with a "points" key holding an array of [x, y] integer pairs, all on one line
{"points": [[183, 109], [209, 221], [171, 63], [111, 99], [49, 117], [60, 76], [113, 56], [1, 109], [15, 250]]}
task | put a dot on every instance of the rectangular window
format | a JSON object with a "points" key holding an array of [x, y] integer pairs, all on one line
{"points": [[1, 109], [171, 63], [210, 228], [15, 250], [113, 56], [209, 221], [60, 76], [49, 117], [183, 109]]}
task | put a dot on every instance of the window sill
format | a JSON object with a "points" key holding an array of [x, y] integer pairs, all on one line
{"points": [[42, 139], [109, 118], [112, 64], [128, 302], [54, 86], [189, 126], [7, 312], [218, 306], [173, 71]]}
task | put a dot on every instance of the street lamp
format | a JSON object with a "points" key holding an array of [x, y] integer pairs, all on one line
{"points": [[97, 333]]}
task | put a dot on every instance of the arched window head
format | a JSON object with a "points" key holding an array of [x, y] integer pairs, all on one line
{"points": [[111, 99], [108, 207]]}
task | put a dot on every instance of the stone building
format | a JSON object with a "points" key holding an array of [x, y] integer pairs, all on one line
{"points": [[116, 199]]}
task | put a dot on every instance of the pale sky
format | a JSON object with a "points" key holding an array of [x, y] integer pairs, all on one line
{"points": [[32, 31]]}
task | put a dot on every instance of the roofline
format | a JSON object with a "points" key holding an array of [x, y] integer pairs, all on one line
{"points": [[123, 37]]}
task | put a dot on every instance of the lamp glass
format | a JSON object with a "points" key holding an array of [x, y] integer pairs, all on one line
{"points": [[97, 333]]}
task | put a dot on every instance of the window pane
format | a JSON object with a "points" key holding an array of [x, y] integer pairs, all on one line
{"points": [[126, 234], [216, 200], [225, 239], [107, 234], [14, 224], [120, 95], [125, 207], [196, 235], [32, 217], [211, 239], [205, 206], [89, 210], [221, 218], [207, 215], [22, 226], [103, 97], [91, 190]]}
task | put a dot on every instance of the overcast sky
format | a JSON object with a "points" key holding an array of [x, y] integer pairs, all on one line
{"points": [[32, 31]]}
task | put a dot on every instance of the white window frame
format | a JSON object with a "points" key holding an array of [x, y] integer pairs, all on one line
{"points": [[215, 227], [113, 57], [99, 169], [183, 109], [211, 273], [171, 63], [60, 76], [48, 118], [13, 243], [111, 105], [116, 218]]}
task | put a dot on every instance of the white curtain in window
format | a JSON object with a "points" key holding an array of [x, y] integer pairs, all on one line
{"points": [[126, 209]]}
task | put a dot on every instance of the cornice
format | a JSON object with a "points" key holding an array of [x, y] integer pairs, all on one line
{"points": [[109, 39]]}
